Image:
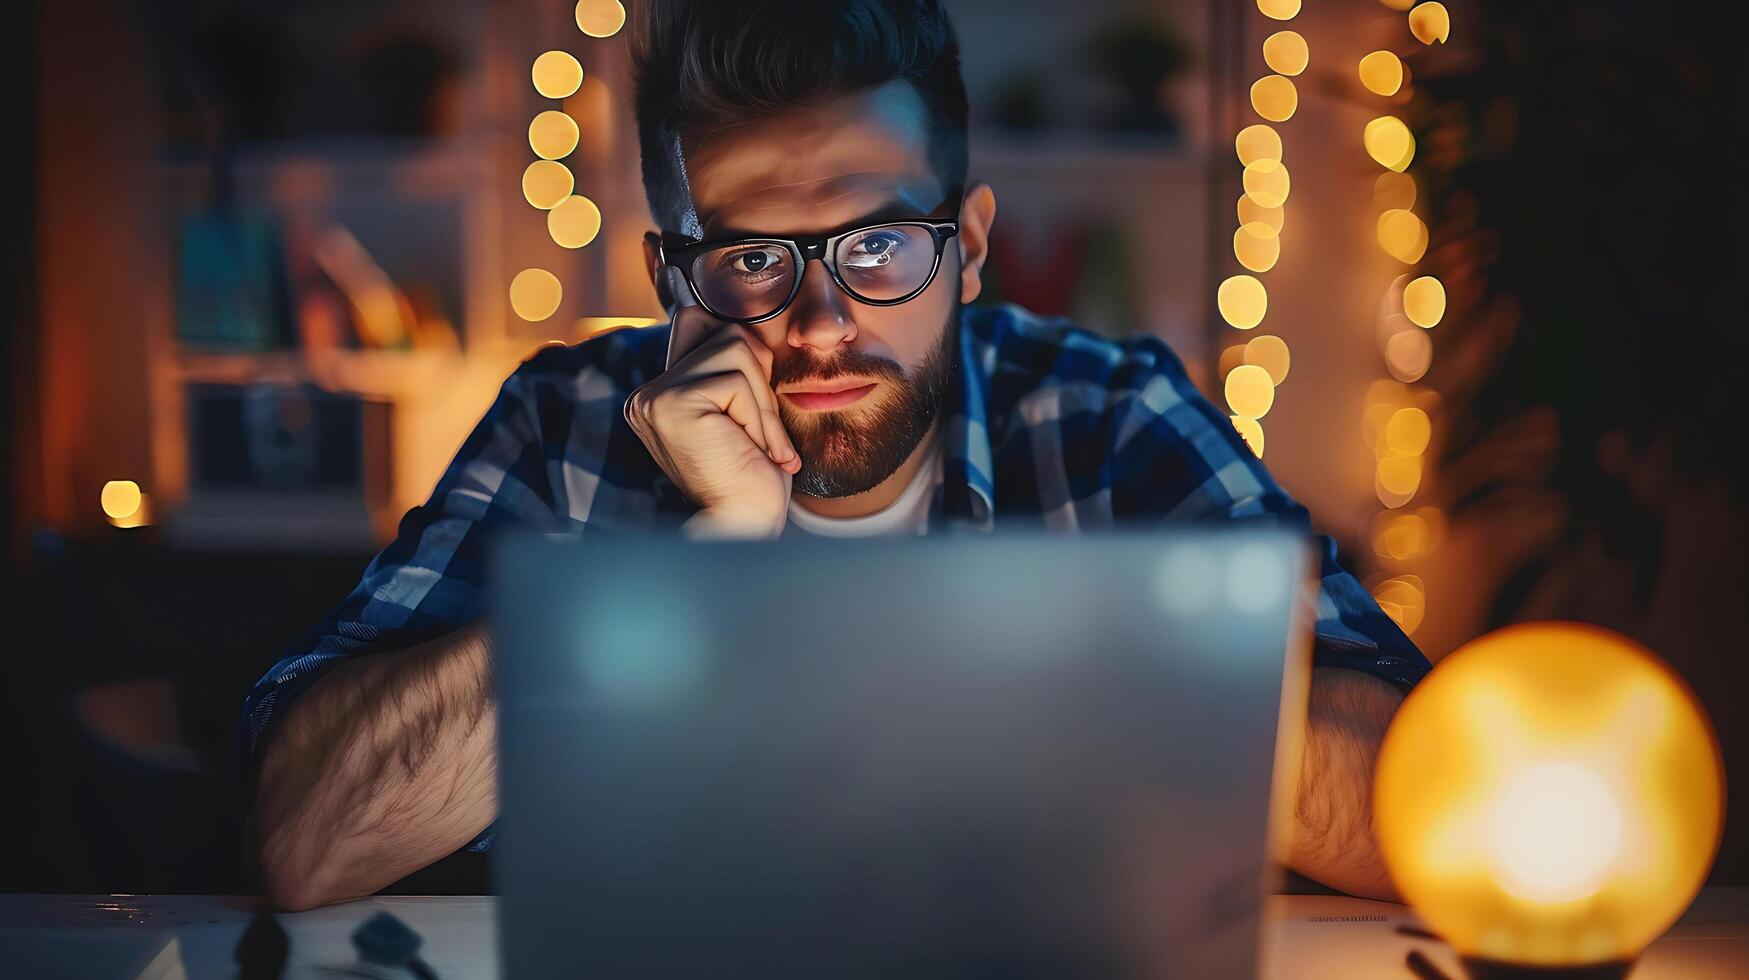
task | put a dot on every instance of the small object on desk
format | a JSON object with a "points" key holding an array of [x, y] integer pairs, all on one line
{"points": [[1418, 933], [1549, 800], [383, 940], [1423, 967], [261, 953]]}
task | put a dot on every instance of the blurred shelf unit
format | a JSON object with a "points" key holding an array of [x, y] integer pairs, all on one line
{"points": [[997, 152], [388, 375]]}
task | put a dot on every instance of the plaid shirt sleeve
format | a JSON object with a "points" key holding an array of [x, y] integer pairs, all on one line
{"points": [[428, 581], [1176, 457]]}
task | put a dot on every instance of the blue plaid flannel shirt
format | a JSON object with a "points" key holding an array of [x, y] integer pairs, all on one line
{"points": [[1049, 425]]}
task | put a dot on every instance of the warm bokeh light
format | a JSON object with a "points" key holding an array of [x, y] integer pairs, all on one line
{"points": [[594, 326], [1402, 235], [575, 222], [547, 182], [1270, 353], [1257, 142], [1400, 537], [1266, 182], [1398, 4], [1551, 795], [1231, 357], [557, 74], [1242, 301], [1382, 73], [1251, 431], [1424, 301], [1408, 355], [1279, 9], [1285, 53], [1250, 392], [1404, 599], [1407, 433], [1389, 142], [600, 18], [1430, 22], [1274, 98], [552, 135], [1394, 191], [535, 294], [1400, 477], [120, 499], [1256, 246], [1251, 212]]}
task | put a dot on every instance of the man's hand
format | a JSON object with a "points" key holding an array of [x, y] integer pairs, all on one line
{"points": [[710, 421]]}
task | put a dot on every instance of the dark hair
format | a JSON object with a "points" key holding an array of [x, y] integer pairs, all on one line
{"points": [[705, 63]]}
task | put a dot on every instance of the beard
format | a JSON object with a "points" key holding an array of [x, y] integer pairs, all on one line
{"points": [[847, 452]]}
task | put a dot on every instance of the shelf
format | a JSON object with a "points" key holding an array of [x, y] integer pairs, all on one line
{"points": [[1003, 152], [378, 373]]}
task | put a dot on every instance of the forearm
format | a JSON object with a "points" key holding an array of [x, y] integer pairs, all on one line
{"points": [[385, 765], [1332, 839]]}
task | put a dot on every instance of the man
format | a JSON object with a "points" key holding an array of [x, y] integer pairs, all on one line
{"points": [[807, 164]]}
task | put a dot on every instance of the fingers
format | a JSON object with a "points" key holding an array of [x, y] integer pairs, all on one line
{"points": [[736, 348], [730, 394]]}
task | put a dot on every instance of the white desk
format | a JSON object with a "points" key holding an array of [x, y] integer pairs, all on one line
{"points": [[167, 937]]}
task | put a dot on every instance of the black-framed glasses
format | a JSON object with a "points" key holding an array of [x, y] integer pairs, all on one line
{"points": [[746, 280]]}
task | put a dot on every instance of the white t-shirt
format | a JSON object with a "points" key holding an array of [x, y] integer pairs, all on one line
{"points": [[909, 514]]}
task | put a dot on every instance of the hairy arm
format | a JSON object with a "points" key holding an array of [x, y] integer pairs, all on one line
{"points": [[1332, 832], [386, 764]]}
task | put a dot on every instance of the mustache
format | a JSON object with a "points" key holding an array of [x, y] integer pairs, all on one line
{"points": [[850, 363]]}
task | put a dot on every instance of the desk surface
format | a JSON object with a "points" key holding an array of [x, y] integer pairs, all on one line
{"points": [[167, 937]]}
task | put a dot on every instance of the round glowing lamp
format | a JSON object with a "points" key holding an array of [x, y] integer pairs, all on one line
{"points": [[1549, 800]]}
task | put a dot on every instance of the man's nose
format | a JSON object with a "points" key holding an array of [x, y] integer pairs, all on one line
{"points": [[820, 316]]}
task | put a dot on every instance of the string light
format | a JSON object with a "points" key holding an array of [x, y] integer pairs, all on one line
{"points": [[1250, 212], [1274, 98], [1394, 191], [1257, 142], [1402, 235], [1270, 353], [1388, 141], [557, 75], [552, 135], [1251, 373], [1397, 424], [1430, 23], [1251, 431], [120, 499], [575, 222], [535, 294], [1382, 73], [1256, 246], [1266, 182], [1250, 391], [1242, 301], [1279, 9], [547, 182], [600, 18], [1285, 53], [1408, 355], [1424, 301]]}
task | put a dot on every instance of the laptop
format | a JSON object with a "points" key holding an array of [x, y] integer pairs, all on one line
{"points": [[991, 756]]}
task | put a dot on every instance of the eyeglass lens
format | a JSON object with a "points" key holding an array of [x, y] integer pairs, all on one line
{"points": [[881, 264]]}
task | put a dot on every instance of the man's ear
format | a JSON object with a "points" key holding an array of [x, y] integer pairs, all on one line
{"points": [[653, 263], [977, 214]]}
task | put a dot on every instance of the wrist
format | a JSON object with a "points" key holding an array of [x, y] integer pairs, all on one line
{"points": [[718, 524]]}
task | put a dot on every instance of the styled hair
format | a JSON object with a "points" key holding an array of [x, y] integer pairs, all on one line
{"points": [[700, 64]]}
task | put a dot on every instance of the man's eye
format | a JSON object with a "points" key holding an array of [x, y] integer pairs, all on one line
{"points": [[876, 250], [756, 262]]}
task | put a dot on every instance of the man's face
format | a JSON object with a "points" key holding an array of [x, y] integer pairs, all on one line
{"points": [[818, 169]]}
